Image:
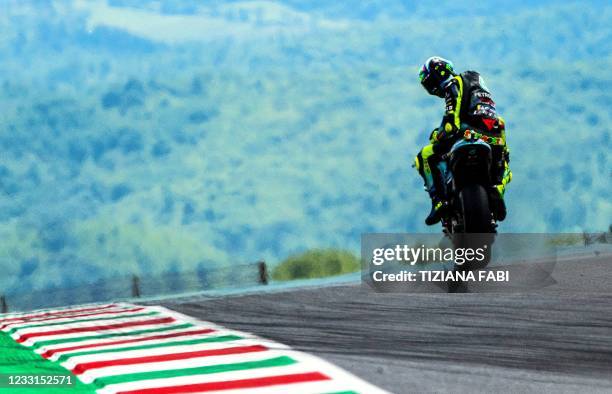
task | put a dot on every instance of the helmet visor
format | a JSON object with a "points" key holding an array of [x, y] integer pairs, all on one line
{"points": [[430, 84]]}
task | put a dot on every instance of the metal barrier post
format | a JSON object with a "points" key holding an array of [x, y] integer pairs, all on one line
{"points": [[3, 305], [135, 286], [263, 273]]}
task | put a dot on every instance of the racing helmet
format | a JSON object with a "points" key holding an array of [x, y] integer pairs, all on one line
{"points": [[435, 73]]}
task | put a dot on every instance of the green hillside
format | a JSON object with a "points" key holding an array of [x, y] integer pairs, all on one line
{"points": [[233, 131]]}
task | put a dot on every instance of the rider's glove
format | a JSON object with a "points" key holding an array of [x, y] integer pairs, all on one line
{"points": [[433, 137]]}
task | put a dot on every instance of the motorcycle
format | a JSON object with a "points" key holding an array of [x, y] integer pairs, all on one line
{"points": [[470, 170]]}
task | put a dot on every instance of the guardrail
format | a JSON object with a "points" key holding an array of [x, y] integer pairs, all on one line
{"points": [[601, 238], [138, 285]]}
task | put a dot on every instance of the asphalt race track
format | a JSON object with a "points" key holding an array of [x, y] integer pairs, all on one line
{"points": [[557, 339]]}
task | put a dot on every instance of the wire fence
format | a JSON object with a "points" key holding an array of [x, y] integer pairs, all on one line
{"points": [[598, 238], [135, 286]]}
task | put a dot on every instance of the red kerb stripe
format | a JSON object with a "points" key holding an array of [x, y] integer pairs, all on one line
{"points": [[71, 316], [51, 352], [76, 330], [54, 313], [234, 384], [81, 368]]}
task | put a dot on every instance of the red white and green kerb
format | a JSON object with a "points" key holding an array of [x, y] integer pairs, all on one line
{"points": [[133, 349]]}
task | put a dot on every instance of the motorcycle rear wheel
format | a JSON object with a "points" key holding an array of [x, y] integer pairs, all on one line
{"points": [[476, 210]]}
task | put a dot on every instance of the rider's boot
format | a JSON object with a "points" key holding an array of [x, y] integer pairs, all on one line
{"points": [[436, 190], [498, 205], [433, 183], [437, 208]]}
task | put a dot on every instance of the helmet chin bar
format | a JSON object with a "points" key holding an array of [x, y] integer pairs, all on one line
{"points": [[433, 89], [437, 91]]}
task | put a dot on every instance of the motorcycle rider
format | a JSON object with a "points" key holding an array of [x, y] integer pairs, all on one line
{"points": [[469, 106]]}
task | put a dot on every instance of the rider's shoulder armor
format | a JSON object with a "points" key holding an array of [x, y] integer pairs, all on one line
{"points": [[477, 99]]}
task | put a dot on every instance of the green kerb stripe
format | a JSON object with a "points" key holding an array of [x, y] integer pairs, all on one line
{"points": [[272, 362], [105, 336], [343, 392], [16, 359], [224, 338], [12, 330]]}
